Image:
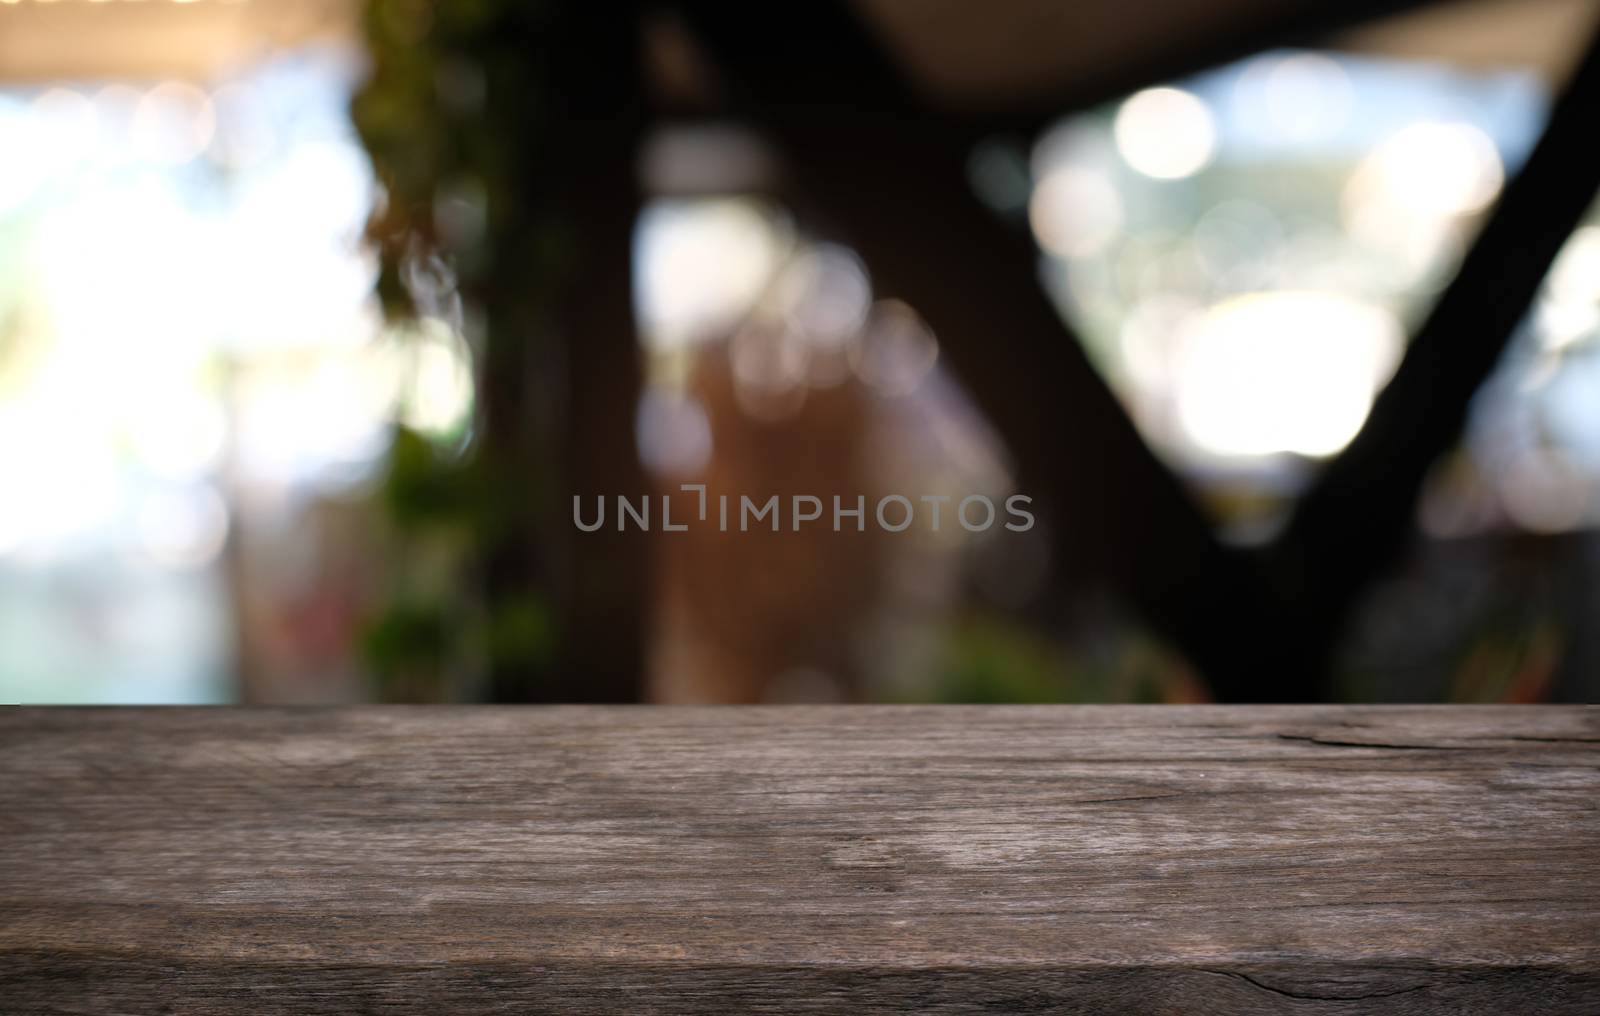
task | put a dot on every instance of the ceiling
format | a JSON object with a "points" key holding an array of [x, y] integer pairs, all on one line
{"points": [[999, 55], [198, 40], [1037, 52]]}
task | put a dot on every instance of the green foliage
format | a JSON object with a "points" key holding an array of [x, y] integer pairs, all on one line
{"points": [[409, 634], [428, 485], [408, 647], [522, 633], [449, 117], [445, 117], [989, 659]]}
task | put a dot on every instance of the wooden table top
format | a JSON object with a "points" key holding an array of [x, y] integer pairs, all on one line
{"points": [[800, 859]]}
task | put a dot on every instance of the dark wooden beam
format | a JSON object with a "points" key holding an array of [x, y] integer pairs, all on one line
{"points": [[1359, 513], [568, 611], [1305, 23]]}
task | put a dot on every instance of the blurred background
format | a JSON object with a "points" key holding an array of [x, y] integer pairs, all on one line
{"points": [[316, 314]]}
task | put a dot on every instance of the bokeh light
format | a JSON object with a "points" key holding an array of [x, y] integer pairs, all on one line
{"points": [[1075, 211], [1166, 133], [1282, 372]]}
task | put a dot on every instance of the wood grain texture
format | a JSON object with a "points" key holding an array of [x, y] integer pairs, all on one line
{"points": [[840, 859]]}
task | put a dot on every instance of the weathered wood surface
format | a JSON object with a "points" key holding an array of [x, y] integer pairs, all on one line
{"points": [[850, 860]]}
